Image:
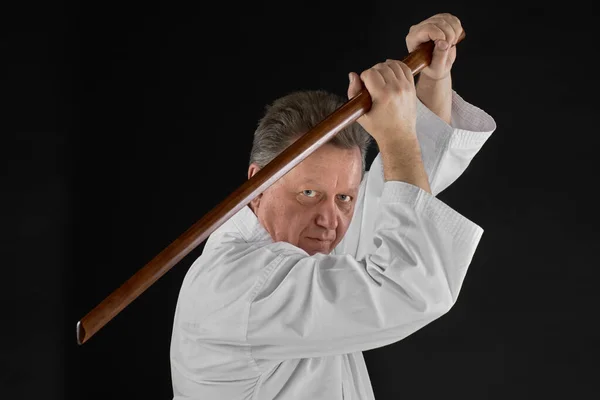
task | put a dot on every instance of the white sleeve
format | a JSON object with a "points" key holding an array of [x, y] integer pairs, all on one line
{"points": [[447, 150], [335, 304]]}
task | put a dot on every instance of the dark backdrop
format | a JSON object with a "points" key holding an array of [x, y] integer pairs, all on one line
{"points": [[124, 124]]}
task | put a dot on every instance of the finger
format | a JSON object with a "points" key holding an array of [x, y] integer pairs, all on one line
{"points": [[408, 73], [456, 25], [444, 25], [387, 73], [395, 66], [372, 79], [427, 31], [355, 85], [439, 56], [453, 21]]}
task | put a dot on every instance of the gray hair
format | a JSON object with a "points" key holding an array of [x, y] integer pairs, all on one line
{"points": [[296, 113]]}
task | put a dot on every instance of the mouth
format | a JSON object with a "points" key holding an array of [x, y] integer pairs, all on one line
{"points": [[322, 241]]}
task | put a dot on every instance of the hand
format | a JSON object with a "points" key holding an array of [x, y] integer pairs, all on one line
{"points": [[444, 29], [393, 96]]}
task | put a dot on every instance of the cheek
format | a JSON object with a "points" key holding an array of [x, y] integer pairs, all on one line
{"points": [[298, 219], [343, 226], [287, 219]]}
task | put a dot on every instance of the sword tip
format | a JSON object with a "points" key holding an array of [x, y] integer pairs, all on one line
{"points": [[80, 333]]}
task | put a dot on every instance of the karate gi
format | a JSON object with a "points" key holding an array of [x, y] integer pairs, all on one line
{"points": [[258, 320]]}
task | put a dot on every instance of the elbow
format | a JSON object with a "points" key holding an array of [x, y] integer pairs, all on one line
{"points": [[424, 286], [448, 302], [437, 289], [437, 307], [439, 301], [433, 288], [446, 297]]}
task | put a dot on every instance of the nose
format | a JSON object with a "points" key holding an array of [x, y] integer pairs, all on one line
{"points": [[327, 215]]}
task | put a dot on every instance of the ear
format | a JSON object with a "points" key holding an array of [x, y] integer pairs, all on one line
{"points": [[252, 170]]}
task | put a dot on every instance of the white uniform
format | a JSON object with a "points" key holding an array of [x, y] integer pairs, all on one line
{"points": [[258, 320]]}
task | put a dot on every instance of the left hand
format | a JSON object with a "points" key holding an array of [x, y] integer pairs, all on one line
{"points": [[444, 29]]}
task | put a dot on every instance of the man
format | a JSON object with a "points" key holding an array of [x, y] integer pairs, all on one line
{"points": [[331, 260]]}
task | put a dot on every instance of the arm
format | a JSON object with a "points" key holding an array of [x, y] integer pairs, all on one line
{"points": [[451, 131], [436, 95], [249, 298], [447, 150], [336, 304]]}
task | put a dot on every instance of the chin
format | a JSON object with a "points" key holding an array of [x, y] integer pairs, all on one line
{"points": [[318, 247]]}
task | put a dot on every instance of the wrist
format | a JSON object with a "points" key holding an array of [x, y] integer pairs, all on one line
{"points": [[427, 84], [436, 94], [400, 144]]}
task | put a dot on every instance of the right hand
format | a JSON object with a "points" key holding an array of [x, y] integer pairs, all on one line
{"points": [[394, 102]]}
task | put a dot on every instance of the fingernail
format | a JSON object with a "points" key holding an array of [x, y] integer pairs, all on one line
{"points": [[350, 77], [442, 44]]}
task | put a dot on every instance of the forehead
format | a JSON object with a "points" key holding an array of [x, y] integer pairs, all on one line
{"points": [[330, 165]]}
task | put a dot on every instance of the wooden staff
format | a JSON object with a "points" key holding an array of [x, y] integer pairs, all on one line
{"points": [[197, 233]]}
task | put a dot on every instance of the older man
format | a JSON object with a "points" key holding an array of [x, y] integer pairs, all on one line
{"points": [[333, 260]]}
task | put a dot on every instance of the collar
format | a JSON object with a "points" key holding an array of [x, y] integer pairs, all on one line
{"points": [[249, 226]]}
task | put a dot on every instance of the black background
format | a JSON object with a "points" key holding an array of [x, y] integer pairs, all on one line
{"points": [[123, 124]]}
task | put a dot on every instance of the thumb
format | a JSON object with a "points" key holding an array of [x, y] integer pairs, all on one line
{"points": [[440, 54], [354, 86]]}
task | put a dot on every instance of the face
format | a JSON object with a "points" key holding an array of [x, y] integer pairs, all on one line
{"points": [[312, 205]]}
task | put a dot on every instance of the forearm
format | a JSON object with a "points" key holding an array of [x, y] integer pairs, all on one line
{"points": [[402, 161], [436, 95]]}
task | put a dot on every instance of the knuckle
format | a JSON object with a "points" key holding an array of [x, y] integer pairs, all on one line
{"points": [[399, 89], [433, 27], [455, 22]]}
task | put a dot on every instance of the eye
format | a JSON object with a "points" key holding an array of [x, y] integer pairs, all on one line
{"points": [[345, 198], [309, 193]]}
